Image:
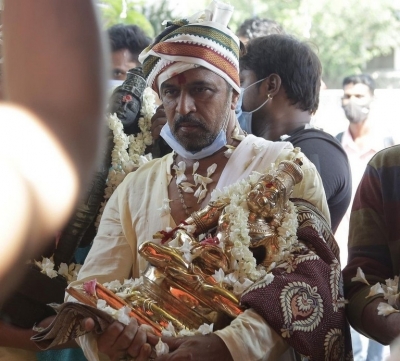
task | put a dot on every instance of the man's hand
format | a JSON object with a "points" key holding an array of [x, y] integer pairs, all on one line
{"points": [[194, 348], [122, 342], [157, 122]]}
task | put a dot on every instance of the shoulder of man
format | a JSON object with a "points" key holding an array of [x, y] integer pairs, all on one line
{"points": [[300, 137], [388, 157], [313, 133]]}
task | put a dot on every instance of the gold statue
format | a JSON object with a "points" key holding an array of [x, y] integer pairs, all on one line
{"points": [[188, 277], [267, 203]]}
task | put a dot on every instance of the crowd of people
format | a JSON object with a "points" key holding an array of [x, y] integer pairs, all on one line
{"points": [[217, 111]]}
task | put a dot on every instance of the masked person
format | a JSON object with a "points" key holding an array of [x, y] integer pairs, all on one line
{"points": [[361, 140], [274, 106]]}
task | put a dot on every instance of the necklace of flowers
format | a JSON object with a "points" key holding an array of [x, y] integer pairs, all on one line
{"points": [[199, 181], [129, 151], [245, 271]]}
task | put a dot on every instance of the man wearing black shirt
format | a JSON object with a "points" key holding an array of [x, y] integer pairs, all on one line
{"points": [[280, 79]]}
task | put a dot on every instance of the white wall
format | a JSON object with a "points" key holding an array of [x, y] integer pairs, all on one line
{"points": [[385, 111]]}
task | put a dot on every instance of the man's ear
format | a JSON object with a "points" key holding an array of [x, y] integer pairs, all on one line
{"points": [[235, 98], [272, 85]]}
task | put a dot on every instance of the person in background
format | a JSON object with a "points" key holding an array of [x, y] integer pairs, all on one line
{"points": [[127, 42], [54, 87], [361, 141], [280, 80], [373, 248], [255, 27]]}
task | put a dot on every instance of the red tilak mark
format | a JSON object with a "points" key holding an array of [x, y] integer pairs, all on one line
{"points": [[181, 78], [127, 98]]}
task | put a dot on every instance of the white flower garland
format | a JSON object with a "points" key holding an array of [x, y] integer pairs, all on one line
{"points": [[128, 152], [246, 271], [69, 272]]}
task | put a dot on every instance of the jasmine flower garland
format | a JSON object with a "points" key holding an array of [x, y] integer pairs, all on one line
{"points": [[246, 271]]}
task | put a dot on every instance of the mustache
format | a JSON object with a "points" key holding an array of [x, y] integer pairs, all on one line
{"points": [[188, 119]]}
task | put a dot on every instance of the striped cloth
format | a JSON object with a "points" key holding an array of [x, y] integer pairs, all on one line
{"points": [[374, 236], [201, 40]]}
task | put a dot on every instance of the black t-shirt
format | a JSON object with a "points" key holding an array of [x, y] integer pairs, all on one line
{"points": [[330, 159]]}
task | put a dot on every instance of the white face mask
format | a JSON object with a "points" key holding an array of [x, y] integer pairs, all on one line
{"points": [[216, 145], [245, 118]]}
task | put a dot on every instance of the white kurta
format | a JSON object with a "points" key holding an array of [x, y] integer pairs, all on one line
{"points": [[133, 215]]}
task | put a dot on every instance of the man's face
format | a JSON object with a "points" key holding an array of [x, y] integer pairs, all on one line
{"points": [[356, 101], [122, 61], [196, 103], [360, 93]]}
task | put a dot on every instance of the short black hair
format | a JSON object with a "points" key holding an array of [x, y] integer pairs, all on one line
{"points": [[129, 37], [293, 60], [256, 27], [360, 78]]}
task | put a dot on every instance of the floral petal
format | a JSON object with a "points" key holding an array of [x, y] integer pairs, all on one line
{"points": [[187, 189], [219, 275], [385, 309], [161, 348], [187, 184], [90, 287], [374, 290], [195, 167], [205, 329], [197, 193], [360, 277], [202, 195], [228, 153], [211, 169], [180, 178]]}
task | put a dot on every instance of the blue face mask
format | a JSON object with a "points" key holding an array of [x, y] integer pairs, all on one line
{"points": [[217, 144], [245, 118]]}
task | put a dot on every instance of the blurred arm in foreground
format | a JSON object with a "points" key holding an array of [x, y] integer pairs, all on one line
{"points": [[54, 81]]}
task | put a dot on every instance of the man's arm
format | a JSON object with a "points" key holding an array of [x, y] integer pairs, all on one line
{"points": [[54, 66], [373, 233], [54, 88], [380, 328]]}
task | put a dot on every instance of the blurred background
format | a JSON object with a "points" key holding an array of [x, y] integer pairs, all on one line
{"points": [[350, 36]]}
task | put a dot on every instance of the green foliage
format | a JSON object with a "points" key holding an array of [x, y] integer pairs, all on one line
{"points": [[346, 33], [156, 13], [125, 12]]}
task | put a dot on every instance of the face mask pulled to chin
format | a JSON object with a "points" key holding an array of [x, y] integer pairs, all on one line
{"points": [[356, 113], [219, 142]]}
